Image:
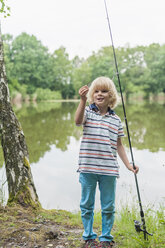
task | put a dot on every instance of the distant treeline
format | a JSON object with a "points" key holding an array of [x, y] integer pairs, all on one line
{"points": [[33, 72]]}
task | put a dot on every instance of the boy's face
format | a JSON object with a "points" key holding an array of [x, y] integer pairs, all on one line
{"points": [[101, 98]]}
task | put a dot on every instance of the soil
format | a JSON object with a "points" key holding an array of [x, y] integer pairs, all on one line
{"points": [[20, 227]]}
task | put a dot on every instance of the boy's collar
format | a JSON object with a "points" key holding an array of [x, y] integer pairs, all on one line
{"points": [[95, 108]]}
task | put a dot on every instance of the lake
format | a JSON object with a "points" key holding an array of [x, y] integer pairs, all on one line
{"points": [[53, 141]]}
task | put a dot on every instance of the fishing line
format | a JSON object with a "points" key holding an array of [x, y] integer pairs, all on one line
{"points": [[137, 223]]}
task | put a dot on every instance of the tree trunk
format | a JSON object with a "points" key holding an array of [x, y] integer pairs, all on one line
{"points": [[20, 182]]}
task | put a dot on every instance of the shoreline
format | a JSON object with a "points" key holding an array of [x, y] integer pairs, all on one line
{"points": [[28, 227], [134, 99]]}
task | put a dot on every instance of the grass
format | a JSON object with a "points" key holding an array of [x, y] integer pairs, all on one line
{"points": [[123, 231], [126, 235]]}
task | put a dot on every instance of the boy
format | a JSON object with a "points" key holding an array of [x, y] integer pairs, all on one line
{"points": [[101, 141]]}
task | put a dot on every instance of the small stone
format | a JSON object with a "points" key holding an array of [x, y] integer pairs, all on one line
{"points": [[51, 233], [63, 233], [34, 229]]}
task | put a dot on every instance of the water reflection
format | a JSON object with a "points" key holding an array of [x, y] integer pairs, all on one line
{"points": [[53, 123], [147, 126], [46, 125], [53, 141]]}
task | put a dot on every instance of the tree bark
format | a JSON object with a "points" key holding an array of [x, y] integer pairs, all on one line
{"points": [[20, 182]]}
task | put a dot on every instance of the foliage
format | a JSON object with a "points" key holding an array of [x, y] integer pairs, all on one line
{"points": [[30, 61], [67, 91], [61, 67], [15, 89], [44, 94], [81, 73], [4, 9], [30, 64], [155, 59], [126, 234]]}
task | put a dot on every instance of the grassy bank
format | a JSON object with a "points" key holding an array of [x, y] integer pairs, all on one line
{"points": [[21, 227]]}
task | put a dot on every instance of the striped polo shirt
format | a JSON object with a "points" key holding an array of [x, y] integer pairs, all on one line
{"points": [[98, 149]]}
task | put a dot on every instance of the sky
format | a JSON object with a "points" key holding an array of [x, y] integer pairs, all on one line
{"points": [[81, 25]]}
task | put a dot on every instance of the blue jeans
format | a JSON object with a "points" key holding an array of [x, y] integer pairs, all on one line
{"points": [[107, 187]]}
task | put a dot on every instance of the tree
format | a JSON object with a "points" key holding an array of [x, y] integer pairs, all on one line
{"points": [[102, 63], [62, 69], [20, 182], [31, 62], [81, 73], [154, 59], [7, 46], [132, 69], [158, 69], [68, 91]]}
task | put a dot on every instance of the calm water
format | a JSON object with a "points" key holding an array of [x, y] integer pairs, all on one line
{"points": [[53, 141]]}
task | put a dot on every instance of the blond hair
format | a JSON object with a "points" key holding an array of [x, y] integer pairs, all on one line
{"points": [[104, 83]]}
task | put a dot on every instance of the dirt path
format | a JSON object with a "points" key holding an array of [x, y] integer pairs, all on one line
{"points": [[25, 228]]}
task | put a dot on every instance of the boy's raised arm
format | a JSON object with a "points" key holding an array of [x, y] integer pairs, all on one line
{"points": [[79, 115]]}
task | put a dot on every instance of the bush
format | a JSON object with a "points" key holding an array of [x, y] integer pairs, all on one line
{"points": [[15, 88], [47, 94], [30, 92]]}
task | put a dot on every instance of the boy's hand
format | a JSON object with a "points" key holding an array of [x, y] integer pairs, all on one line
{"points": [[131, 168], [83, 92]]}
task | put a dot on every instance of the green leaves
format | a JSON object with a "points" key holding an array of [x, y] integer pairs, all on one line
{"points": [[30, 63], [4, 9]]}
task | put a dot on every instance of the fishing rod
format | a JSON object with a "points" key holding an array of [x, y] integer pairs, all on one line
{"points": [[137, 224]]}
